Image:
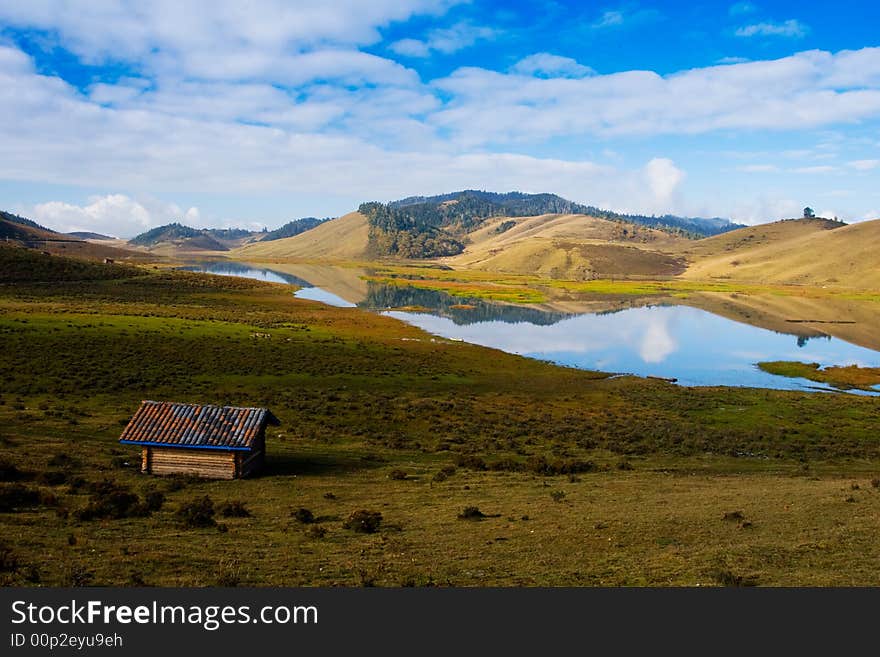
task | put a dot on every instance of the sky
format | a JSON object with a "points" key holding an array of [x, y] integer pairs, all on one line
{"points": [[117, 116]]}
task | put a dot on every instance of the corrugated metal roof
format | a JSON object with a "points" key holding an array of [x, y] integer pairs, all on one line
{"points": [[196, 426]]}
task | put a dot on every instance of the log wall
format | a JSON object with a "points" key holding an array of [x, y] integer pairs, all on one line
{"points": [[196, 462]]}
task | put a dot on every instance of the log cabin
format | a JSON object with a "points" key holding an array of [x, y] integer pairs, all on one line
{"points": [[217, 442]]}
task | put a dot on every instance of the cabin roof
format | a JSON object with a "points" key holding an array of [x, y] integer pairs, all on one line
{"points": [[199, 426]]}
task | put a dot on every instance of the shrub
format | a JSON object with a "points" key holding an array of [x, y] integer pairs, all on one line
{"points": [[234, 509], [15, 496], [197, 513], [397, 475], [303, 515], [364, 521], [875, 483], [733, 515], [558, 495], [52, 478], [471, 513], [470, 461], [154, 500], [62, 460], [110, 500]]}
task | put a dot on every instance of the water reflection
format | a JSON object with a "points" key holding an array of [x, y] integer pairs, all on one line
{"points": [[693, 346], [690, 345]]}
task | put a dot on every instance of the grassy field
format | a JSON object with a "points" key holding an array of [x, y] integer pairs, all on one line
{"points": [[851, 376], [578, 479]]}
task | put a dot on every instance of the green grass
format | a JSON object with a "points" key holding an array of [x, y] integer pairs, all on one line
{"points": [[361, 406], [844, 378]]}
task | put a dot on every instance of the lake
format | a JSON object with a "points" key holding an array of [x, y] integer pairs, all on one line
{"points": [[693, 346]]}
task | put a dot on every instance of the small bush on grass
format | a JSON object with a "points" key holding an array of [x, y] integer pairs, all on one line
{"points": [[471, 513], [154, 500], [52, 478], [303, 515], [197, 513], [397, 475], [17, 496], [111, 500], [363, 521], [234, 509]]}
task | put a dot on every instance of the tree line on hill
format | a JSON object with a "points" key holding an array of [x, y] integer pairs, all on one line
{"points": [[429, 227]]}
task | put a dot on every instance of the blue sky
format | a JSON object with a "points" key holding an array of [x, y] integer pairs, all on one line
{"points": [[117, 116]]}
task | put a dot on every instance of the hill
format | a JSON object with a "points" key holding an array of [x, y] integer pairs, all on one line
{"points": [[19, 265], [798, 251], [178, 236], [292, 229], [437, 226], [85, 235], [570, 246], [345, 238]]}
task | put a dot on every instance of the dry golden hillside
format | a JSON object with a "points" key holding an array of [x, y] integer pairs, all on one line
{"points": [[344, 238], [798, 252], [571, 247]]}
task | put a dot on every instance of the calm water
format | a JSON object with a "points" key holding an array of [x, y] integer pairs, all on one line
{"points": [[693, 346]]}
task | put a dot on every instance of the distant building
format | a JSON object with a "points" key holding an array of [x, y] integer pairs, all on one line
{"points": [[108, 261], [218, 442]]}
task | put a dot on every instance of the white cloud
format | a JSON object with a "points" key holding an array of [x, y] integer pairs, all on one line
{"points": [[622, 17], [663, 179], [411, 48], [864, 165], [758, 168], [444, 40], [791, 28], [221, 37], [609, 19], [544, 64], [732, 60], [809, 89], [114, 215], [815, 170]]}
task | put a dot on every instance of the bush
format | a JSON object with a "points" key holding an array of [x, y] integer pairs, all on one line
{"points": [[364, 521], [15, 496], [469, 461], [197, 513], [471, 513], [63, 460], [234, 509], [733, 516], [52, 478], [397, 475], [558, 495], [110, 500], [154, 500], [303, 515]]}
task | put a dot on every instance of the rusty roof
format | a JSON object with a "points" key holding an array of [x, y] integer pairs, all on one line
{"points": [[196, 426]]}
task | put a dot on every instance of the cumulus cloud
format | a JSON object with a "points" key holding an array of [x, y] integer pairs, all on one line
{"points": [[116, 215], [790, 28], [444, 40], [809, 89], [544, 64]]}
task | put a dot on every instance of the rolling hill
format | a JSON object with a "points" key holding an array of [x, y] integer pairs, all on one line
{"points": [[570, 246], [798, 252], [22, 232], [345, 238]]}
